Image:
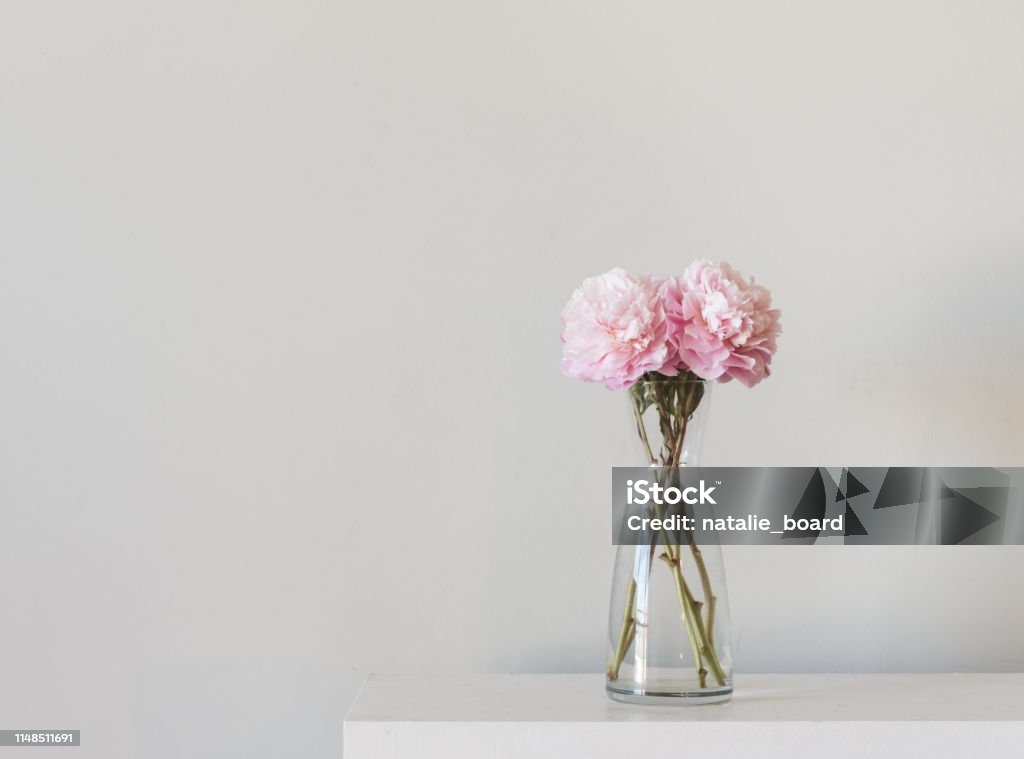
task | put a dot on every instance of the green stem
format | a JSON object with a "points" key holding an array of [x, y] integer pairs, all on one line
{"points": [[674, 414], [690, 620], [642, 430], [710, 601], [680, 411], [698, 636], [625, 634]]}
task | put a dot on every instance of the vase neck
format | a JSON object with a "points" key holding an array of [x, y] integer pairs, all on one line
{"points": [[668, 416]]}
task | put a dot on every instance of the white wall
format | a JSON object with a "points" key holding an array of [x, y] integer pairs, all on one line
{"points": [[272, 275]]}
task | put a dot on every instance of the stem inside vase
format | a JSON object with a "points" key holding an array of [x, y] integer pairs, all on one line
{"points": [[675, 400]]}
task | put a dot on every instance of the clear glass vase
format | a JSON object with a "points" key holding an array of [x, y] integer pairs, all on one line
{"points": [[669, 633]]}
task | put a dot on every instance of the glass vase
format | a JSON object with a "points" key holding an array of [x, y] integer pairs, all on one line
{"points": [[669, 634]]}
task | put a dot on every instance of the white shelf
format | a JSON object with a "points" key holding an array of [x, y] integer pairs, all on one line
{"points": [[791, 716]]}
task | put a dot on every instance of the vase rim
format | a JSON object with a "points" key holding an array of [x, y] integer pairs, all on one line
{"points": [[665, 378]]}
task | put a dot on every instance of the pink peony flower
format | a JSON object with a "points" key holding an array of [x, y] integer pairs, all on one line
{"points": [[722, 327], [615, 330]]}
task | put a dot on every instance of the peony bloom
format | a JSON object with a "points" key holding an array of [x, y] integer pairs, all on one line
{"points": [[615, 330], [722, 327]]}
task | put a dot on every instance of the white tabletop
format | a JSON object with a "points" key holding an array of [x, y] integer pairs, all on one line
{"points": [[420, 716]]}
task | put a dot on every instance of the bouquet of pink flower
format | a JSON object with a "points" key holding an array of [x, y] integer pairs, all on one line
{"points": [[663, 338], [710, 322]]}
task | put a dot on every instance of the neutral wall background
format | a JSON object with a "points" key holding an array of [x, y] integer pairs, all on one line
{"points": [[279, 305]]}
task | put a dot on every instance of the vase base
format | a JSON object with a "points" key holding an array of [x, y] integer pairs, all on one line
{"points": [[716, 695]]}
